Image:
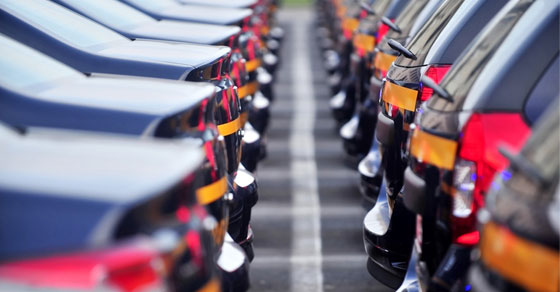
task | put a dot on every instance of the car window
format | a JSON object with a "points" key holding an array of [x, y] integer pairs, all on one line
{"points": [[110, 12], [546, 90], [63, 23], [21, 66], [422, 42], [405, 20], [462, 75], [542, 152]]}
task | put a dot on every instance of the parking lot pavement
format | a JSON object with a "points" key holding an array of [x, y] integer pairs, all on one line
{"points": [[305, 189]]}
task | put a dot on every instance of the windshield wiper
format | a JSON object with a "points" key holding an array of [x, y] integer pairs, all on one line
{"points": [[440, 91], [401, 49], [391, 24]]}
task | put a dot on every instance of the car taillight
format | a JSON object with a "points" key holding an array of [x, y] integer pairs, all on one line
{"points": [[436, 73], [477, 162], [134, 266], [463, 181]]}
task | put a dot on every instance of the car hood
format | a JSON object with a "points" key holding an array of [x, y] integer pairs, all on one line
{"points": [[140, 95], [62, 192], [222, 3], [166, 52], [172, 30]]}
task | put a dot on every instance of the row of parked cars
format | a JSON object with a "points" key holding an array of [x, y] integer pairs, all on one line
{"points": [[449, 111], [130, 133]]}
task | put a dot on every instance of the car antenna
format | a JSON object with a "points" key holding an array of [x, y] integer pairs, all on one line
{"points": [[391, 24], [442, 93], [401, 49]]}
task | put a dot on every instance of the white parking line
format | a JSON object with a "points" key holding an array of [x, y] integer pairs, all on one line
{"points": [[306, 227]]}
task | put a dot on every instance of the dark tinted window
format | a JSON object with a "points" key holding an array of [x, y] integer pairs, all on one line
{"points": [[405, 20], [423, 41], [395, 9], [469, 30], [462, 75], [546, 90]]}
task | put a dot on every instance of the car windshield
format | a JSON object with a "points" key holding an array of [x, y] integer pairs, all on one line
{"points": [[110, 12], [21, 66], [60, 22], [421, 44], [460, 78]]}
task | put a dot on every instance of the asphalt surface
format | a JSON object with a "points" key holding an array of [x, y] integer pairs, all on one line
{"points": [[327, 254]]}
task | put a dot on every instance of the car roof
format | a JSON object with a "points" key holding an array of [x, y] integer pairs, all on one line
{"points": [[193, 12], [63, 191], [135, 23]]}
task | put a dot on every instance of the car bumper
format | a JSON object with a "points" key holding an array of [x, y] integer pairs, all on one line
{"points": [[388, 240], [234, 265], [410, 282], [371, 175]]}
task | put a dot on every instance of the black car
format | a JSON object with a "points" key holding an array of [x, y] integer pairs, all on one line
{"points": [[404, 28], [433, 49], [58, 96], [364, 40], [77, 206], [135, 24], [358, 132], [490, 97], [91, 48], [342, 103], [519, 234]]}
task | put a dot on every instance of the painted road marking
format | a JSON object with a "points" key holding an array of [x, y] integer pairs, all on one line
{"points": [[306, 275]]}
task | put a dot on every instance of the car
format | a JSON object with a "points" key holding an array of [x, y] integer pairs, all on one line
{"points": [[133, 24], [92, 48], [77, 205], [68, 99], [490, 97], [369, 32], [342, 102], [357, 133], [435, 47], [243, 18], [518, 247], [404, 28]]}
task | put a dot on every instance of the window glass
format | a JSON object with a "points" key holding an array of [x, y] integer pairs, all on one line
{"points": [[422, 42], [61, 22], [546, 90], [462, 75]]}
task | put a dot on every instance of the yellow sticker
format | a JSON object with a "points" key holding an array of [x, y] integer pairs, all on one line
{"points": [[525, 263], [400, 96], [432, 149], [212, 192]]}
